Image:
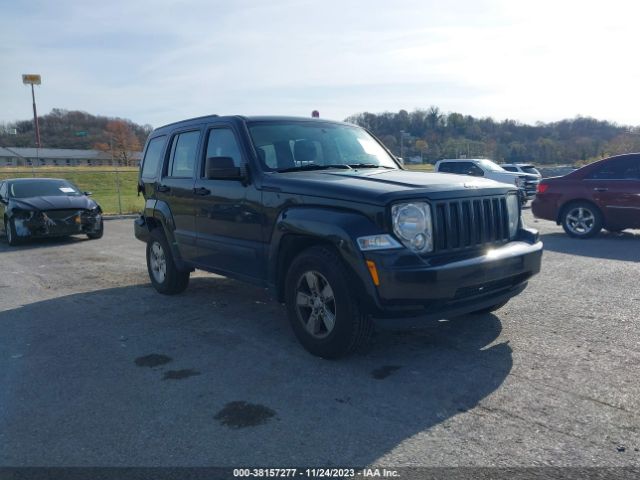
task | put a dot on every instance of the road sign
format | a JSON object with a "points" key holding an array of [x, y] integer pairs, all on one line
{"points": [[31, 79]]}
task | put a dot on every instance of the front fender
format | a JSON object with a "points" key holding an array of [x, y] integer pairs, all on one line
{"points": [[339, 228]]}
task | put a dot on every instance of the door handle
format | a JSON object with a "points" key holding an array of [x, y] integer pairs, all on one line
{"points": [[201, 191], [162, 188], [601, 189]]}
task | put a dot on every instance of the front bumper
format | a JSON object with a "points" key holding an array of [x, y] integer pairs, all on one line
{"points": [[53, 224], [141, 230], [457, 283]]}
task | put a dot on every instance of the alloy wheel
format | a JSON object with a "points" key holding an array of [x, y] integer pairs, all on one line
{"points": [[158, 262], [580, 220], [315, 304]]}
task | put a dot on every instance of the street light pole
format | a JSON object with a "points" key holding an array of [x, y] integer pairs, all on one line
{"points": [[34, 79]]}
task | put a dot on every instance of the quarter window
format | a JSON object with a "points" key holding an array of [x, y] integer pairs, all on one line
{"points": [[152, 157], [183, 154]]}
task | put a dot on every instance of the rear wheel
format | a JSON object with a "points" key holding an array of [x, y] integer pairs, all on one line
{"points": [[323, 307], [165, 277], [581, 220]]}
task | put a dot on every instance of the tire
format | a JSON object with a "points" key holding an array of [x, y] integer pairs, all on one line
{"points": [[322, 305], [163, 273], [490, 309], [10, 232], [581, 220], [98, 233]]}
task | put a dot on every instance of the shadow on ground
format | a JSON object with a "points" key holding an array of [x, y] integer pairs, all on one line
{"points": [[214, 376], [613, 246], [29, 244]]}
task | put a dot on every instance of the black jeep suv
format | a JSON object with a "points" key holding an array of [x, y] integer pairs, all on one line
{"points": [[327, 218]]}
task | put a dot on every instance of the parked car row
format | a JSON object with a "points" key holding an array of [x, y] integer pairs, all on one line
{"points": [[527, 182]]}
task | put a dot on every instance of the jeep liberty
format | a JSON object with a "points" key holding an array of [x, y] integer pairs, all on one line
{"points": [[322, 214]]}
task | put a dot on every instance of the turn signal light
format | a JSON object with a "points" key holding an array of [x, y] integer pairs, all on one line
{"points": [[374, 272]]}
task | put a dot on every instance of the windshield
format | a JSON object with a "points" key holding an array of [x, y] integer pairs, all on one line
{"points": [[288, 145], [43, 188], [490, 166], [530, 169]]}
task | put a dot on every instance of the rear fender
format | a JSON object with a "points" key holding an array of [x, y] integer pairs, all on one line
{"points": [[158, 215]]}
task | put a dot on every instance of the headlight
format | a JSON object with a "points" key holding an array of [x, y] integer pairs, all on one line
{"points": [[23, 214], [377, 242], [519, 182], [513, 212], [412, 225]]}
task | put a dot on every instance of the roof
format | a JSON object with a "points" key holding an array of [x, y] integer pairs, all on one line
{"points": [[254, 118], [463, 159], [58, 153]]}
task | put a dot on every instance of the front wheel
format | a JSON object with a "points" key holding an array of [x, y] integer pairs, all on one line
{"points": [[98, 232], [323, 307], [581, 220], [165, 276], [10, 232]]}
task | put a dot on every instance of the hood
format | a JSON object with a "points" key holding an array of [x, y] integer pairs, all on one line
{"points": [[378, 186], [57, 202]]}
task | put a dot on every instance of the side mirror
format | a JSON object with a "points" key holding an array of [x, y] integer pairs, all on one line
{"points": [[221, 168], [88, 194]]}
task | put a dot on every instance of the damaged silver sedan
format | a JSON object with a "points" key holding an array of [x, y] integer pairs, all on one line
{"points": [[47, 207]]}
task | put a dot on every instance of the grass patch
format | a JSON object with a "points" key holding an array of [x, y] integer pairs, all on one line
{"points": [[102, 182]]}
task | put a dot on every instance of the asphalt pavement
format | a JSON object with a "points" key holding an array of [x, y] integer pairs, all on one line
{"points": [[97, 369]]}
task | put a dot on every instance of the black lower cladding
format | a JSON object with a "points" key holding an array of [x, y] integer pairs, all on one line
{"points": [[460, 283], [52, 223]]}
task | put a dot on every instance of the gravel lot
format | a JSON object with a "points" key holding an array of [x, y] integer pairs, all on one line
{"points": [[98, 369]]}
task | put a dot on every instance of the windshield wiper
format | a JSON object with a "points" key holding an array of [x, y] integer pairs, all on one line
{"points": [[368, 165], [313, 166]]}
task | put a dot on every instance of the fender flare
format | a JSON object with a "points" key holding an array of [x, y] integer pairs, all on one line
{"points": [[158, 212], [337, 227]]}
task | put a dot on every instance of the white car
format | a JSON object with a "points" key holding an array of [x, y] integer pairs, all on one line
{"points": [[482, 167], [525, 168]]}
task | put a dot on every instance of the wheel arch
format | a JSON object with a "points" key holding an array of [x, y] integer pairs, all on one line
{"points": [[573, 201], [300, 228]]}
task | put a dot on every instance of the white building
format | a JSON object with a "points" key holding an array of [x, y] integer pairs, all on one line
{"points": [[61, 157]]}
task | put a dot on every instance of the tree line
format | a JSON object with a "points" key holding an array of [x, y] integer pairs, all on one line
{"points": [[422, 135], [429, 135]]}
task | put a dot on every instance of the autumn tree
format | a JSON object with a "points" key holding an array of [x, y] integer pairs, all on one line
{"points": [[122, 141]]}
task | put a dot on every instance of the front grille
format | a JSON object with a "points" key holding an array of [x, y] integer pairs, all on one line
{"points": [[63, 215], [467, 223]]}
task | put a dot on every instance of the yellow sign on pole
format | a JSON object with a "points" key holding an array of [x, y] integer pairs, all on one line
{"points": [[31, 79]]}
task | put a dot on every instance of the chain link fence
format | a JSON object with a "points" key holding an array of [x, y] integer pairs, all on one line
{"points": [[114, 189]]}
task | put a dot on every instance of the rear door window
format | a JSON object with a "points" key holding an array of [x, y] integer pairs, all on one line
{"points": [[183, 154], [619, 169]]}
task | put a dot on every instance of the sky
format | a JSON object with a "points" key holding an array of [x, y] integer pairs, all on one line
{"points": [[160, 61]]}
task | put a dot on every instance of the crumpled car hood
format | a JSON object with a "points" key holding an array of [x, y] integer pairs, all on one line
{"points": [[54, 203]]}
